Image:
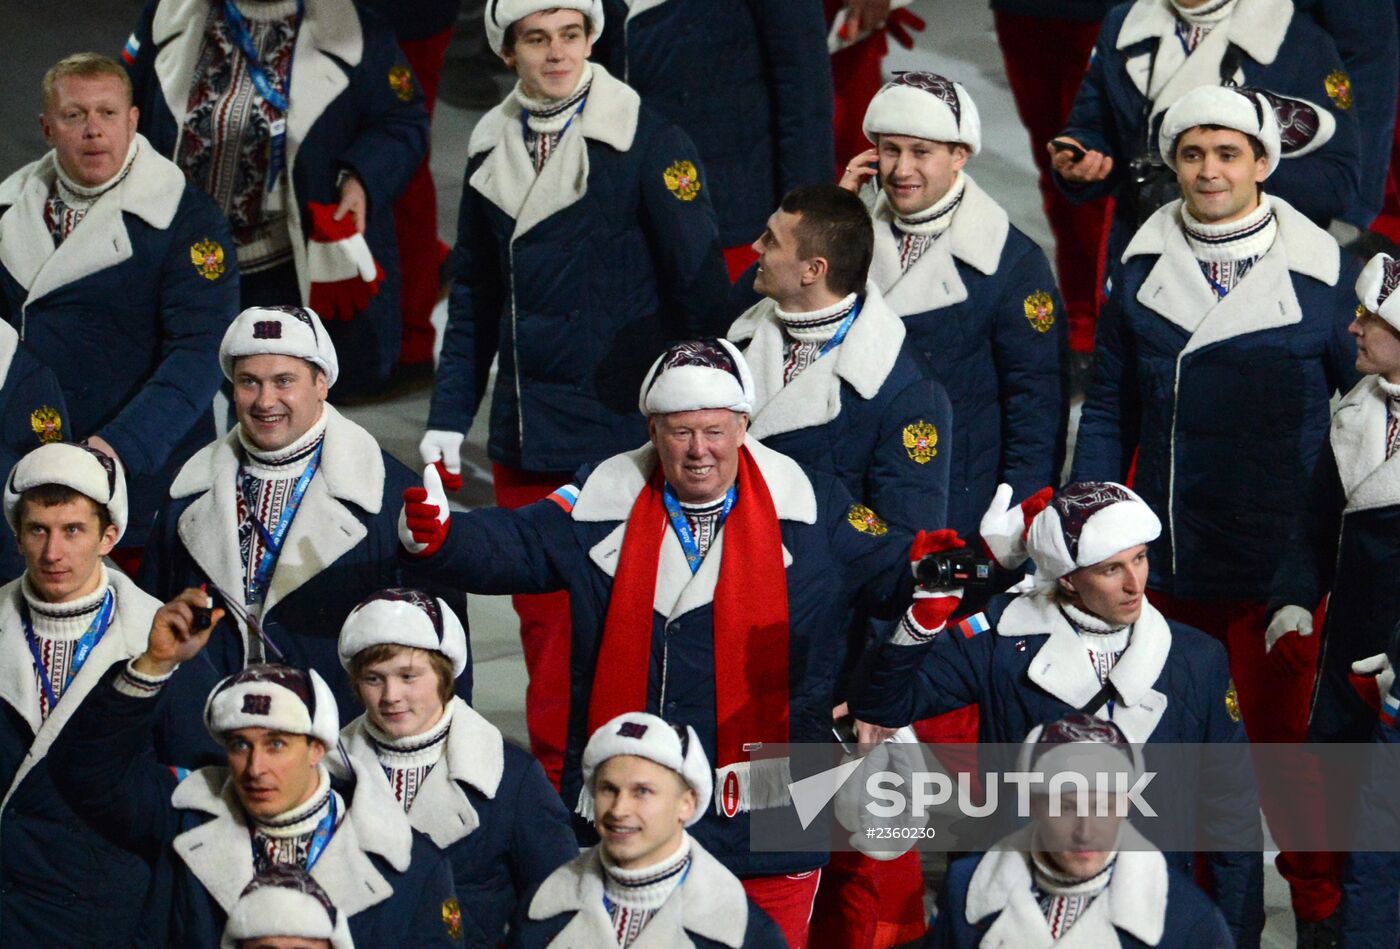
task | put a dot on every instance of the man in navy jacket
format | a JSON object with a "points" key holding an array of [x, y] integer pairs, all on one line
{"points": [[1152, 52], [977, 297], [208, 833], [705, 573], [762, 122], [121, 277], [1217, 355], [586, 242]]}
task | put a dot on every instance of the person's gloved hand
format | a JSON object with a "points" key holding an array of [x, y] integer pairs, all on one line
{"points": [[444, 451], [344, 274], [424, 517], [1291, 654], [1004, 527], [900, 23], [1372, 678], [929, 612]]}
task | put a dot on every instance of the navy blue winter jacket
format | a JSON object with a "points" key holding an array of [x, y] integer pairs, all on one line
{"points": [[762, 117], [354, 107], [842, 556], [194, 834], [32, 413], [128, 312], [578, 286], [1224, 400]]}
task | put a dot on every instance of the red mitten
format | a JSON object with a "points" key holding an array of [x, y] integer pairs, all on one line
{"points": [[934, 542], [1367, 689], [1294, 654], [899, 24], [424, 519], [344, 274]]}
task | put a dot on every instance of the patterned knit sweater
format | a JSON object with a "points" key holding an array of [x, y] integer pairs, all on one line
{"points": [[917, 234], [1103, 641], [69, 202], [546, 119], [225, 144], [633, 897], [804, 334], [266, 480], [1392, 415], [1226, 252], [286, 838], [407, 761], [1194, 25], [1064, 899], [58, 627]]}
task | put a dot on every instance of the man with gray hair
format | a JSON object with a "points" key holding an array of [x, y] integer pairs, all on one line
{"points": [[703, 572]]}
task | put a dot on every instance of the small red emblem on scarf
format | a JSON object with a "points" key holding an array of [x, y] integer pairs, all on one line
{"points": [[729, 800]]}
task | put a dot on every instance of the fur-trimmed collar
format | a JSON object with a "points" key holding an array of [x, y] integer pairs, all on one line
{"points": [[864, 360], [1061, 668], [612, 488], [1369, 479], [475, 755], [351, 472], [507, 177], [1176, 289], [1134, 902], [152, 191], [709, 903], [1257, 27], [125, 638], [9, 345], [976, 236], [219, 854]]}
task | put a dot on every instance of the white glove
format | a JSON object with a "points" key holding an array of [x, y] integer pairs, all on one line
{"points": [[1003, 529], [444, 449], [1378, 666], [1286, 620]]}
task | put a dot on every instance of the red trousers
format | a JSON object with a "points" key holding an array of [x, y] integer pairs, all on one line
{"points": [[857, 76], [869, 904], [1388, 221], [788, 900], [1045, 62], [738, 259], [544, 632], [421, 253], [1274, 706]]}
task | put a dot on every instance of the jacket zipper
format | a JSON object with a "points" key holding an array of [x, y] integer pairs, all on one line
{"points": [[515, 354]]}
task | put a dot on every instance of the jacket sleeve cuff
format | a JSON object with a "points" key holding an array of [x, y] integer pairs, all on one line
{"points": [[133, 684], [910, 633]]}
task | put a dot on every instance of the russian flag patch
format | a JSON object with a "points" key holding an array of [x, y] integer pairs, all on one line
{"points": [[1390, 711], [129, 51], [566, 497], [180, 773], [974, 624]]}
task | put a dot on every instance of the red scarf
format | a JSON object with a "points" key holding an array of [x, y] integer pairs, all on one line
{"points": [[750, 619]]}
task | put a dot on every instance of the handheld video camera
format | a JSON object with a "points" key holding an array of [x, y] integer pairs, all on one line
{"points": [[954, 568]]}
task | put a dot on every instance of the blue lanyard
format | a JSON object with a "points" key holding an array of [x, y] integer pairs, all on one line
{"points": [[681, 526], [272, 542], [90, 639], [525, 122], [238, 30], [841, 331], [321, 836]]}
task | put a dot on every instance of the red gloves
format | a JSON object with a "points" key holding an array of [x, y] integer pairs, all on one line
{"points": [[344, 274], [899, 24], [423, 520], [931, 608], [1003, 527], [1290, 643]]}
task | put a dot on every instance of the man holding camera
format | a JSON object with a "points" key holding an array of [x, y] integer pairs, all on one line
{"points": [[1218, 352], [1152, 52], [707, 577], [1085, 638]]}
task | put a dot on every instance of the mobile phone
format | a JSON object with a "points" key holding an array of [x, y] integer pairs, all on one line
{"points": [[844, 729], [1076, 153]]}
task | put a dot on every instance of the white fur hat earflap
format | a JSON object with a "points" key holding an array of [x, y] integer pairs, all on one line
{"points": [[698, 374], [89, 472], [276, 697], [279, 331], [500, 14], [404, 617], [1375, 288], [647, 736], [924, 105]]}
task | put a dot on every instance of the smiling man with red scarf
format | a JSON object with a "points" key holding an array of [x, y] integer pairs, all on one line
{"points": [[705, 574]]}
